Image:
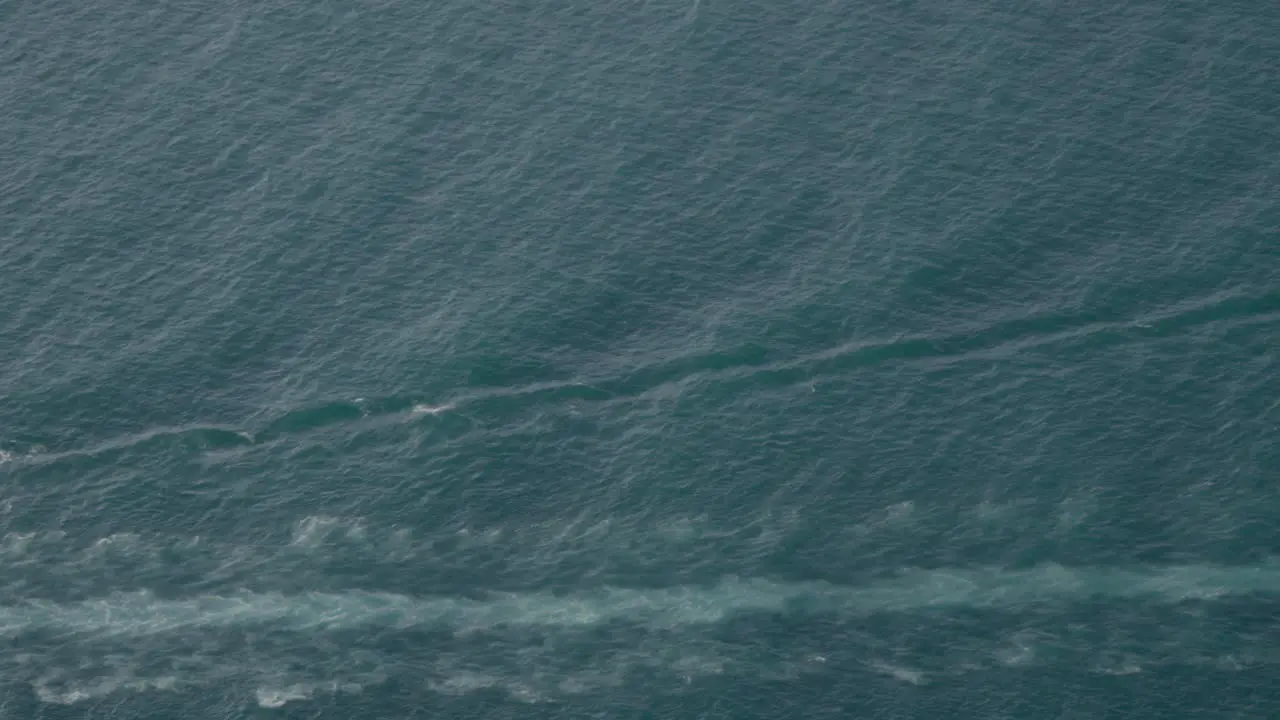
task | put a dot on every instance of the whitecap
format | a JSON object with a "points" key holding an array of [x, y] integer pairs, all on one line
{"points": [[277, 697], [423, 409]]}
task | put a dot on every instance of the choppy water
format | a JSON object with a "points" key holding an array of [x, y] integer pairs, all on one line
{"points": [[640, 359]]}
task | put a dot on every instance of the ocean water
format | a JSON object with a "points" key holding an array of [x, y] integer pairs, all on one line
{"points": [[698, 359]]}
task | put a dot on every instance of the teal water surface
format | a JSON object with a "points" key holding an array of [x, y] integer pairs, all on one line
{"points": [[640, 359]]}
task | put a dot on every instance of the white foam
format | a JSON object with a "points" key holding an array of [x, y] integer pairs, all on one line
{"points": [[15, 544], [312, 531], [422, 409], [141, 614], [73, 693], [124, 543], [62, 697], [464, 682], [1123, 665], [307, 530], [278, 697], [897, 672]]}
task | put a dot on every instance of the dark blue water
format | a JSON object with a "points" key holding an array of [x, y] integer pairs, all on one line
{"points": [[640, 359]]}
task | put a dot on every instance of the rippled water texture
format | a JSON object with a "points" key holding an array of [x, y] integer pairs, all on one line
{"points": [[639, 359]]}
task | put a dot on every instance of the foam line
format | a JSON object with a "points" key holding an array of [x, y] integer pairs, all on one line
{"points": [[140, 613]]}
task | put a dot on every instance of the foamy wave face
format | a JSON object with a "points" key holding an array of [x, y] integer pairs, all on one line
{"points": [[141, 613], [76, 634], [532, 647]]}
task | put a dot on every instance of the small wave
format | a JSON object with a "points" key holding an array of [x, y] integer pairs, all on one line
{"points": [[203, 438], [897, 672], [279, 697], [214, 439], [421, 409], [73, 693], [343, 412], [314, 418], [315, 530]]}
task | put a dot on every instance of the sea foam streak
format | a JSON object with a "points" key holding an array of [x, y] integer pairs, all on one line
{"points": [[140, 613]]}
